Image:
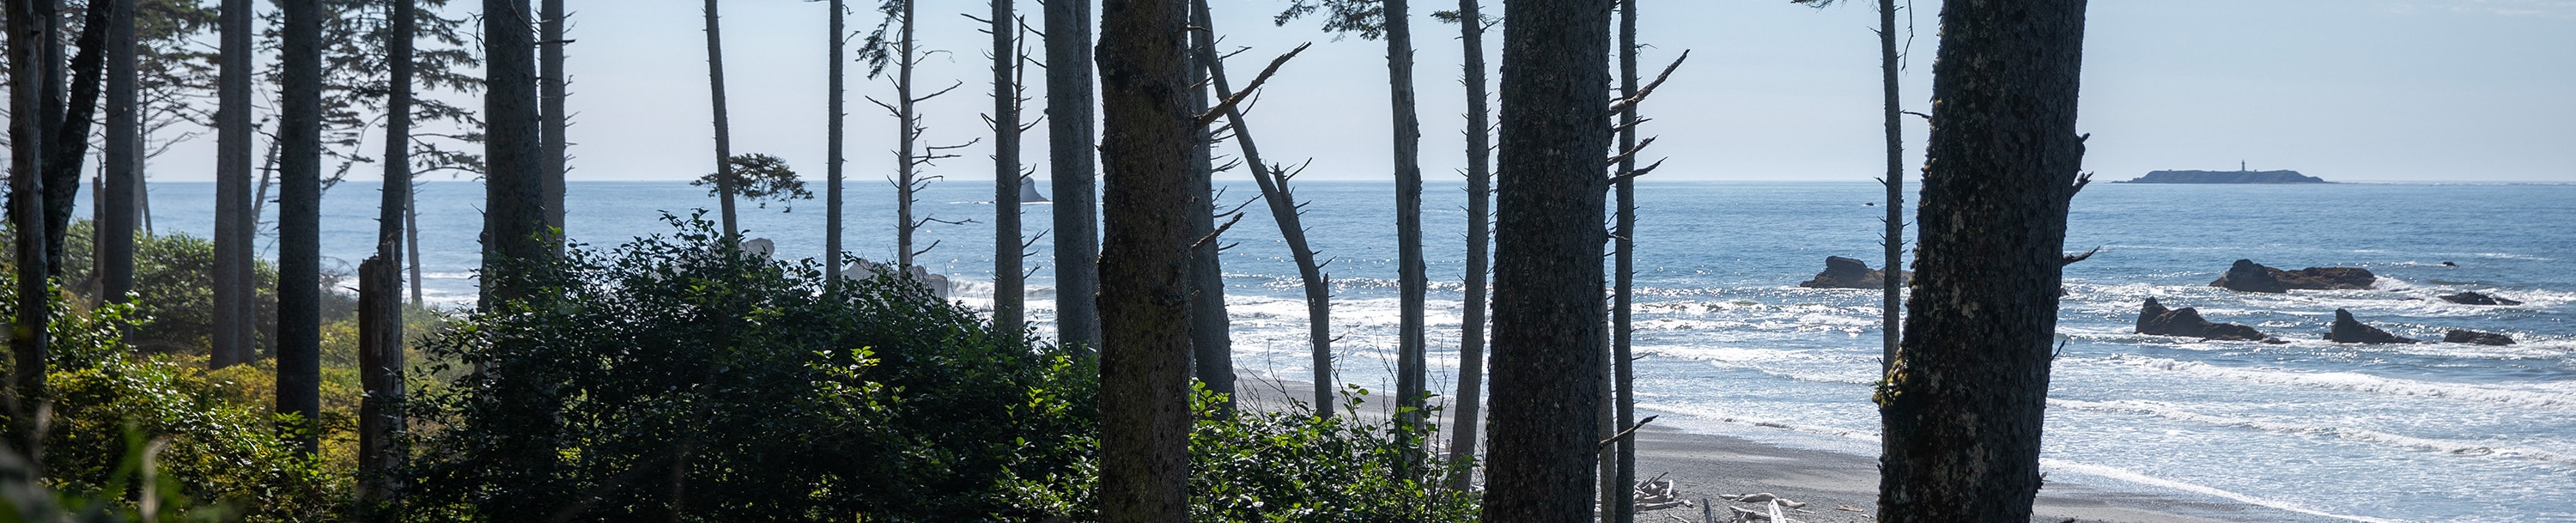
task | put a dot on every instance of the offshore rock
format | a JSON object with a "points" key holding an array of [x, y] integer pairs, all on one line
{"points": [[2237, 176], [2476, 338], [2348, 330], [2155, 319], [2478, 298], [1847, 273], [863, 269], [2248, 276]]}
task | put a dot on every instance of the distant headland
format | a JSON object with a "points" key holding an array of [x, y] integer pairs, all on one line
{"points": [[2240, 175]]}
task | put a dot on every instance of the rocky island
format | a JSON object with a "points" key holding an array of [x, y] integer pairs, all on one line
{"points": [[2240, 175]]}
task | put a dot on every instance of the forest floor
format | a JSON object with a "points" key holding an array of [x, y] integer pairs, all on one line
{"points": [[1836, 487]]}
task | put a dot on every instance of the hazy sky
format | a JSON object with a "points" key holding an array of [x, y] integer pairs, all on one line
{"points": [[2349, 90]]}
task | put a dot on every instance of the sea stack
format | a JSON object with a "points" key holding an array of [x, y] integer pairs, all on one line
{"points": [[1847, 273], [2348, 330], [2478, 298], [2248, 276], [2155, 319], [2476, 338]]}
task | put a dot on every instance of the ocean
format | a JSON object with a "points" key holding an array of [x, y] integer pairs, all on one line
{"points": [[2312, 430]]}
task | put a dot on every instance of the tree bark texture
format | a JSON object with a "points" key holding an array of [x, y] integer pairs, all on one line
{"points": [[553, 147], [1412, 369], [1963, 404], [1548, 343], [837, 110], [235, 224], [1624, 272], [1070, 136], [1144, 307], [1891, 302], [28, 32], [724, 130], [299, 222], [1211, 336], [1471, 326], [1010, 292], [380, 327], [120, 154], [514, 216]]}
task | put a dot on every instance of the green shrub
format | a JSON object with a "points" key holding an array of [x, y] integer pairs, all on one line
{"points": [[174, 290], [674, 374]]}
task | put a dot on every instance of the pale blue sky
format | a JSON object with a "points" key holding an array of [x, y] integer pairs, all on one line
{"points": [[2349, 90]]}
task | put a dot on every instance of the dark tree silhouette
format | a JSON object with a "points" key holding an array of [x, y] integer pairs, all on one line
{"points": [[380, 328], [514, 214], [69, 119], [1009, 290], [1283, 208], [120, 155], [553, 149], [724, 130], [900, 50], [236, 222], [29, 36], [1471, 333], [1963, 403], [836, 115], [1547, 364], [299, 224], [1623, 472], [1145, 148], [1069, 166], [1211, 331]]}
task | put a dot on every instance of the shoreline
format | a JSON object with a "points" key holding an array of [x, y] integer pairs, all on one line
{"points": [[1840, 487]]}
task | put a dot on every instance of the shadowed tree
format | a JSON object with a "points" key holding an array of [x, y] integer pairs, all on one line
{"points": [[380, 329], [29, 35], [1547, 364], [836, 114], [724, 130], [235, 221], [1374, 19], [550, 105], [299, 224], [1069, 166], [1211, 331], [69, 120], [900, 50], [1145, 149], [1623, 469], [1009, 289], [1962, 406], [514, 218], [120, 155], [1471, 333], [1283, 208]]}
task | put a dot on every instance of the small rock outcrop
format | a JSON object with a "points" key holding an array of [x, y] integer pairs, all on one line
{"points": [[2348, 330], [2248, 276], [2478, 298], [2237, 176], [1847, 273], [2155, 319], [2476, 338], [864, 269]]}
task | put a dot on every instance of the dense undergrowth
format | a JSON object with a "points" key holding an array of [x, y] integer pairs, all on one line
{"points": [[669, 378]]}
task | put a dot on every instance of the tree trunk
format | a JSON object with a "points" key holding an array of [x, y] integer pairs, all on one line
{"points": [[411, 241], [1009, 292], [1145, 150], [1211, 340], [380, 327], [552, 147], [1283, 208], [906, 138], [1891, 301], [514, 216], [724, 131], [299, 223], [1964, 402], [116, 223], [1471, 335], [1624, 473], [1548, 342], [236, 224], [1412, 370], [28, 34], [1069, 166], [838, 114], [70, 144]]}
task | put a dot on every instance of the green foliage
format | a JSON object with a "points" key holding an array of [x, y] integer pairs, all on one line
{"points": [[681, 375], [760, 178], [1281, 466], [211, 445], [1366, 17], [174, 290]]}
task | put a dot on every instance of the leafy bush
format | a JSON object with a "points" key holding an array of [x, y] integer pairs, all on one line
{"points": [[681, 375], [174, 290], [1280, 466]]}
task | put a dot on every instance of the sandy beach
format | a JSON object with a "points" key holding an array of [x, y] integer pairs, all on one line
{"points": [[1835, 487]]}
